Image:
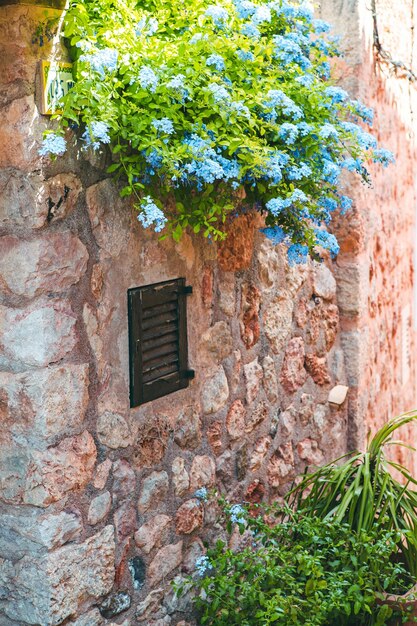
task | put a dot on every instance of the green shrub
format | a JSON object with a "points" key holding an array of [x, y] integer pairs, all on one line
{"points": [[296, 569]]}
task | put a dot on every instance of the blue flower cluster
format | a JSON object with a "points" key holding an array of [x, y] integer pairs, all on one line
{"points": [[151, 215], [53, 144], [297, 254], [327, 241], [237, 514], [202, 565], [147, 26], [148, 79], [207, 165], [96, 133], [278, 99], [218, 14], [216, 61], [102, 60], [164, 125], [201, 494]]}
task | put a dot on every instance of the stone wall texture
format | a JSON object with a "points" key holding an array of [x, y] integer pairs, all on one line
{"points": [[97, 501]]}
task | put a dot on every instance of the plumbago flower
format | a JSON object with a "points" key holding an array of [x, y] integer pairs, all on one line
{"points": [[215, 101]]}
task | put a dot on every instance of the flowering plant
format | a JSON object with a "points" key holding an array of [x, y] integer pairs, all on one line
{"points": [[209, 109]]}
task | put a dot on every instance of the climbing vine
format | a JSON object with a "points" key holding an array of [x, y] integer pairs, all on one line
{"points": [[211, 109]]}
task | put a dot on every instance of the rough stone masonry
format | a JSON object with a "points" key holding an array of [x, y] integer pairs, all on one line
{"points": [[97, 505]]}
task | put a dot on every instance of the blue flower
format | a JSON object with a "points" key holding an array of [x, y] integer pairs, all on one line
{"points": [[336, 94], [218, 14], [306, 80], [102, 60], [96, 133], [219, 92], [245, 55], [147, 26], [240, 108], [362, 111], [237, 514], [383, 156], [297, 254], [244, 8], [202, 494], [197, 37], [164, 125], [298, 172], [276, 205], [345, 204], [288, 50], [288, 133], [53, 144], [148, 79], [250, 30], [327, 241], [262, 14], [151, 215], [328, 131], [320, 26], [216, 61], [275, 234], [331, 171], [277, 98], [202, 565]]}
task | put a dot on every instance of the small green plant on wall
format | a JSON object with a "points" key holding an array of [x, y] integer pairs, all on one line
{"points": [[211, 109]]}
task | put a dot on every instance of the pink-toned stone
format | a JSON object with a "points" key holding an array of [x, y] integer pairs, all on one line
{"points": [[270, 382], [34, 408], [167, 559], [113, 430], [235, 420], [249, 316], [59, 196], [189, 517], [20, 147], [51, 263], [214, 437], [125, 521], [101, 474], [317, 368], [149, 605], [56, 471], [324, 282], [110, 219], [226, 294], [259, 453], [217, 342], [271, 265], [281, 466], [309, 452], [38, 335], [180, 477], [306, 408], [99, 508], [153, 533], [255, 492], [293, 374], [188, 428], [124, 481], [258, 415], [203, 472], [154, 491], [97, 280], [253, 375], [19, 200], [278, 321], [287, 422], [194, 551], [151, 442], [215, 392], [235, 252]]}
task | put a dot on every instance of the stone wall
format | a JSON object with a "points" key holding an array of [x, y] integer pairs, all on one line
{"points": [[97, 502], [375, 269]]}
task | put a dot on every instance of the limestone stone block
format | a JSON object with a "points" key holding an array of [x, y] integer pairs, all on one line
{"points": [[214, 437], [101, 474], [317, 368], [293, 374], [20, 204], [110, 218], [153, 492], [56, 471], [278, 320], [308, 450], [92, 618], [124, 481], [113, 430], [59, 196], [180, 477], [203, 472], [20, 147], [125, 521], [217, 341], [324, 282], [259, 414], [166, 560], [271, 265], [38, 335], [153, 533], [259, 453], [149, 605], [235, 252], [34, 407], [189, 517], [215, 392], [270, 382], [99, 508], [281, 466], [253, 375], [33, 530], [48, 589], [188, 428], [51, 263], [338, 394]]}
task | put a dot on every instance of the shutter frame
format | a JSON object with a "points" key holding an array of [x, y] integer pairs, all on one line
{"points": [[158, 343]]}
